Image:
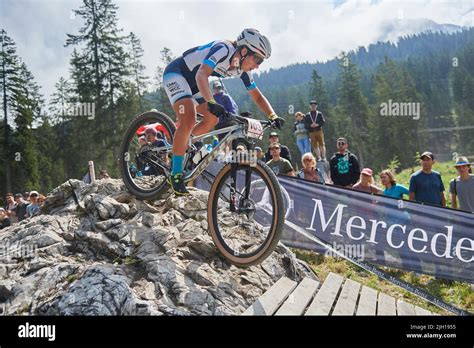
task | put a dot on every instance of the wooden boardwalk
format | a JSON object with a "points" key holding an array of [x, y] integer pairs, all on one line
{"points": [[335, 296]]}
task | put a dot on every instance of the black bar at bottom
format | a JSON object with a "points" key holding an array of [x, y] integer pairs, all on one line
{"points": [[138, 331]]}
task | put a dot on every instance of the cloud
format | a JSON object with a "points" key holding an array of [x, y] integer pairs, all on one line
{"points": [[299, 30]]}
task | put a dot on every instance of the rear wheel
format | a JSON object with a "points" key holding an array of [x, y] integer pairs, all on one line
{"points": [[145, 166], [245, 213]]}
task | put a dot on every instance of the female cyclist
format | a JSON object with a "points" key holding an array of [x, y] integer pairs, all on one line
{"points": [[186, 81]]}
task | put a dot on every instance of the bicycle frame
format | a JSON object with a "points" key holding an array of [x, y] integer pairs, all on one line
{"points": [[234, 132]]}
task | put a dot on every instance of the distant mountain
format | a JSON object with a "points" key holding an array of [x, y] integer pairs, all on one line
{"points": [[394, 29], [436, 38]]}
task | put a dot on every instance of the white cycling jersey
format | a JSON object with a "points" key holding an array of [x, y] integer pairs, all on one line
{"points": [[179, 78]]}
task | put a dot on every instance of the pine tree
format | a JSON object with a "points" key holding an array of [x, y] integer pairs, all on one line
{"points": [[9, 68], [393, 135], [463, 95], [140, 81], [159, 96], [27, 109], [61, 100], [353, 109], [104, 58]]}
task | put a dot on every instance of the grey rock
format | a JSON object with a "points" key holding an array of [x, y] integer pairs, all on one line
{"points": [[105, 225], [116, 255]]}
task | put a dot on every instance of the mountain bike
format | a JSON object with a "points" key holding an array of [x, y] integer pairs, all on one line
{"points": [[244, 231]]}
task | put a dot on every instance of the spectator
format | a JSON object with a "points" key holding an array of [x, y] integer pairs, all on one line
{"points": [[279, 164], [21, 205], [142, 140], [366, 182], [104, 175], [344, 166], [259, 153], [314, 121], [426, 185], [301, 133], [462, 187], [285, 151], [156, 139], [153, 137], [33, 208], [42, 198], [4, 219], [392, 189], [227, 102], [10, 208], [223, 98], [310, 170]]}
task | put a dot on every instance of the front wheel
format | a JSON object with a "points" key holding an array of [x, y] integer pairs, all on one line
{"points": [[145, 160], [245, 213]]}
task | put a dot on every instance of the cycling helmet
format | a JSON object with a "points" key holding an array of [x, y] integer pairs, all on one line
{"points": [[256, 42]]}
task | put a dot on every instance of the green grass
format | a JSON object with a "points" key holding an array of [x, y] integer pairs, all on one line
{"points": [[453, 292]]}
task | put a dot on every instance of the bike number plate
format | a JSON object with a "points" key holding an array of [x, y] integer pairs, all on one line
{"points": [[255, 129]]}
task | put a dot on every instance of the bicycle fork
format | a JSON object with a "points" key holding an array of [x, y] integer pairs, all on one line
{"points": [[233, 189]]}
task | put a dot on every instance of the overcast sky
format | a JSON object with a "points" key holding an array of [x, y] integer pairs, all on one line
{"points": [[299, 30]]}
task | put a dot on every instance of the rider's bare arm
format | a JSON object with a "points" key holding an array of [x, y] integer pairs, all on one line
{"points": [[202, 79], [261, 101]]}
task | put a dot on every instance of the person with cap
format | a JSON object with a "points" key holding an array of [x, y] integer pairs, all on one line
{"points": [[284, 150], [462, 187], [344, 166], [33, 208], [314, 121], [278, 164], [4, 219], [259, 153], [426, 185], [223, 98], [227, 102], [366, 182], [21, 206], [301, 133]]}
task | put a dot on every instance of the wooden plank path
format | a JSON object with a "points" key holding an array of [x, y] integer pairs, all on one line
{"points": [[335, 296]]}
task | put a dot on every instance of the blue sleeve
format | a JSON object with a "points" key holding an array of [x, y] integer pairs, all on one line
{"points": [[404, 190], [216, 54], [248, 81], [228, 105]]}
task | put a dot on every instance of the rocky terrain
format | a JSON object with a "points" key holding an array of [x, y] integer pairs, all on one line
{"points": [[114, 255]]}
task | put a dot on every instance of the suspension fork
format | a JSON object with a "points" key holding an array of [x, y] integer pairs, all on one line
{"points": [[233, 186]]}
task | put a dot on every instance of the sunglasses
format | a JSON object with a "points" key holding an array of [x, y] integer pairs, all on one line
{"points": [[257, 59], [308, 160], [341, 143]]}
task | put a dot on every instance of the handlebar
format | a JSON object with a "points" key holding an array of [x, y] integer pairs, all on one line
{"points": [[242, 119]]}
